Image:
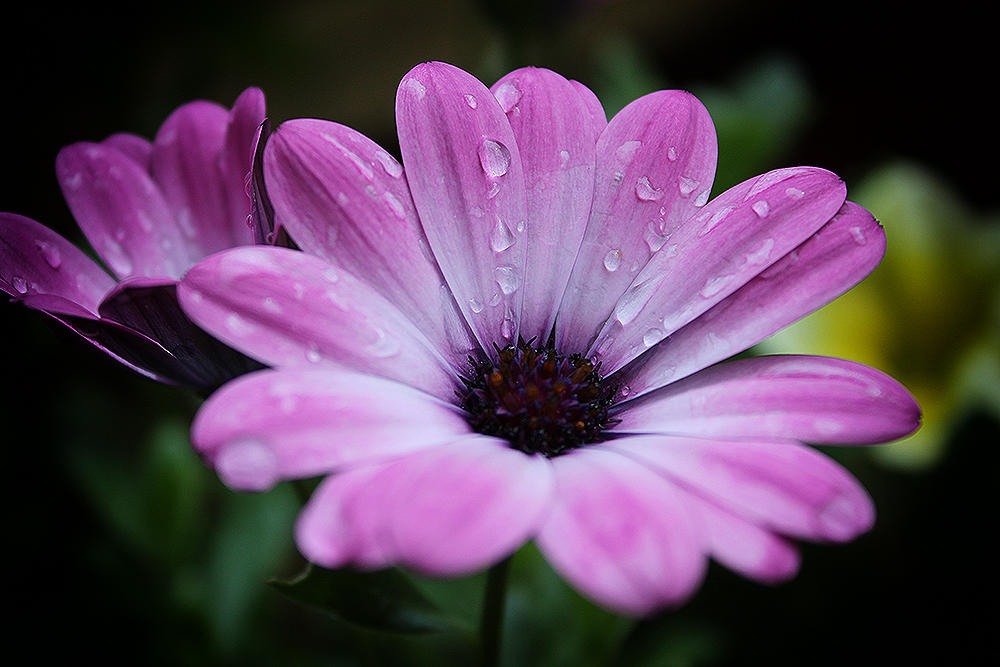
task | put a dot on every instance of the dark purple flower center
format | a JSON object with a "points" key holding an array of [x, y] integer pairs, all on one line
{"points": [[538, 400]]}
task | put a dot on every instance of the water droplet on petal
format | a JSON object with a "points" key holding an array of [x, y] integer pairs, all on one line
{"points": [[563, 158], [654, 239], [715, 285], [627, 151], [271, 305], [508, 95], [475, 305], [795, 193], [714, 220], [501, 237], [389, 164], [634, 300], [312, 354], [493, 191], [613, 259], [50, 253], [617, 177], [520, 225], [495, 300], [394, 205], [19, 284], [625, 391], [415, 87], [507, 279], [384, 345], [857, 235], [494, 157], [702, 198], [330, 275], [761, 208], [645, 191], [237, 325], [471, 101], [672, 154], [652, 337], [686, 185], [762, 254], [247, 464], [75, 181]]}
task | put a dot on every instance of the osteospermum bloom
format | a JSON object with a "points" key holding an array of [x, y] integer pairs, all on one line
{"points": [[151, 211], [513, 338]]}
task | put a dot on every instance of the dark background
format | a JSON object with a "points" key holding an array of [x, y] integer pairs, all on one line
{"points": [[911, 84]]}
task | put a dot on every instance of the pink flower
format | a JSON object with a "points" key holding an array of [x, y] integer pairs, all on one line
{"points": [[613, 443], [151, 211]]}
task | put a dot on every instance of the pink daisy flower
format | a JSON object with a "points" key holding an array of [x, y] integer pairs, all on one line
{"points": [[151, 211], [402, 374]]}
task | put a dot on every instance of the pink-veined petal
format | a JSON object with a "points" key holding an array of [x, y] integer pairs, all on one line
{"points": [[289, 309], [465, 175], [550, 119], [621, 534], [121, 212], [34, 260], [813, 399], [296, 423], [828, 264], [655, 166], [735, 237], [784, 486], [245, 117], [342, 197]]}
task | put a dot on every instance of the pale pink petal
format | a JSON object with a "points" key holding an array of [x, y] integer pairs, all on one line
{"points": [[296, 423], [444, 511], [137, 148], [598, 117], [655, 166], [783, 486], [464, 171], [736, 237], [549, 118], [241, 132], [813, 399], [185, 164], [342, 197], [621, 534], [828, 264], [462, 507], [34, 260], [121, 212], [289, 309]]}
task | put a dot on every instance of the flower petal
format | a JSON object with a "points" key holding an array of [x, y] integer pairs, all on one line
{"points": [[550, 119], [828, 264], [185, 164], [289, 309], [137, 148], [241, 132], [35, 260], [121, 212], [621, 534], [342, 197], [444, 511], [814, 399], [598, 117], [783, 486], [464, 170], [297, 423], [736, 237], [655, 166]]}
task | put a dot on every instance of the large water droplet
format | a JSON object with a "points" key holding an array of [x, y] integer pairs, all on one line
{"points": [[508, 95], [19, 284], [702, 198], [645, 191], [652, 337], [389, 164], [761, 208], [501, 237], [475, 305], [686, 185], [494, 157], [471, 101], [654, 239], [634, 300], [50, 253], [507, 279], [613, 259]]}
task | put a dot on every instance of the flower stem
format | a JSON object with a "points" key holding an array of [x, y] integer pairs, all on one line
{"points": [[491, 624]]}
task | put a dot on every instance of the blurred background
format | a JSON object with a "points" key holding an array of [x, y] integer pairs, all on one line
{"points": [[121, 546]]}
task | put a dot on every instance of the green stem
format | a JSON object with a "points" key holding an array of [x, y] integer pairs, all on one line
{"points": [[491, 624]]}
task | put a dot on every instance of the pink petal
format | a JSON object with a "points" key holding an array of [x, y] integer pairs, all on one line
{"points": [[34, 260], [621, 534], [550, 119], [598, 117], [121, 212], [828, 264], [247, 114], [297, 423], [137, 148], [343, 198], [655, 166], [736, 237], [444, 511], [289, 309], [464, 170], [185, 163], [782, 486], [814, 399]]}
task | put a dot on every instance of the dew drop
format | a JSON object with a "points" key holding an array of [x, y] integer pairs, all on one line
{"points": [[507, 279], [384, 345], [563, 158], [471, 101], [714, 220], [330, 275], [389, 164], [75, 181], [312, 354], [507, 327], [501, 237], [508, 95], [237, 325], [795, 193], [686, 185], [702, 198], [652, 337], [50, 253], [613, 259], [634, 300], [247, 464], [672, 154], [494, 157], [761, 208], [715, 285], [343, 199], [493, 191], [495, 300], [617, 177], [645, 191], [625, 391], [415, 87], [857, 235], [627, 151], [654, 239], [520, 225], [394, 205], [271, 305], [19, 284], [761, 255], [370, 189], [475, 305]]}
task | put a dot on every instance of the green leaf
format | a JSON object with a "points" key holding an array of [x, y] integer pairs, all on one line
{"points": [[385, 600]]}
